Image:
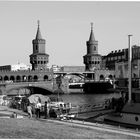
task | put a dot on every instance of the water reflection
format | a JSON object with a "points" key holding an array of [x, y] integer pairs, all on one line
{"points": [[81, 98]]}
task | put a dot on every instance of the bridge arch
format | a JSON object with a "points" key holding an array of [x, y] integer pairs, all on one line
{"points": [[102, 77], [46, 77], [30, 78], [32, 90], [12, 78], [110, 76], [1, 78], [18, 78], [24, 78], [6, 78], [35, 78]]}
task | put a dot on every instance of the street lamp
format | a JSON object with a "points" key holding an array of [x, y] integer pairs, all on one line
{"points": [[129, 69]]}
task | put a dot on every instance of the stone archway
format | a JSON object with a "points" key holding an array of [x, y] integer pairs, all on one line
{"points": [[35, 78], [18, 78], [30, 78], [6, 78], [12, 78], [110, 77], [1, 78], [28, 90], [45, 77], [24, 78], [0, 92], [102, 77]]}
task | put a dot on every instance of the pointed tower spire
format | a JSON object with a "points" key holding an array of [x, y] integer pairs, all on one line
{"points": [[38, 34], [39, 50], [91, 38]]}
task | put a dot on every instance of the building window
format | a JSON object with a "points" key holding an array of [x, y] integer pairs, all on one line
{"points": [[136, 118], [94, 48], [36, 47]]}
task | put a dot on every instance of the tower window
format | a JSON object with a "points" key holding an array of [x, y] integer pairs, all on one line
{"points": [[36, 47], [94, 48]]}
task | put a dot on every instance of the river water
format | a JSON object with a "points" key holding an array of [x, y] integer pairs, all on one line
{"points": [[82, 98]]}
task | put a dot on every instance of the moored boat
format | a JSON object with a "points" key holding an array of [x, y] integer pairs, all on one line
{"points": [[97, 87]]}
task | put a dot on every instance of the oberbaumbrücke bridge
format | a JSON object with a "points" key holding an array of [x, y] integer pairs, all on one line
{"points": [[43, 82]]}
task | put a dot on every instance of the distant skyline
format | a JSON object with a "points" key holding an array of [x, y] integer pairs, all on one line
{"points": [[66, 27]]}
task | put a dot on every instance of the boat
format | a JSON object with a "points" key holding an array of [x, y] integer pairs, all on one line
{"points": [[75, 87], [91, 86], [129, 116], [97, 87]]}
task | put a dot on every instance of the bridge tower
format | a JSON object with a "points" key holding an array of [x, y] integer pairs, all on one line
{"points": [[39, 58], [92, 59]]}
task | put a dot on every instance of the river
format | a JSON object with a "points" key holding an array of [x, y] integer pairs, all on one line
{"points": [[82, 98]]}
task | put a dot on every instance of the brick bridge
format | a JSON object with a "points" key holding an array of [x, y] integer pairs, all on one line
{"points": [[42, 82]]}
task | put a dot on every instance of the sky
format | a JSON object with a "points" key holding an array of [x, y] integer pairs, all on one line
{"points": [[65, 25]]}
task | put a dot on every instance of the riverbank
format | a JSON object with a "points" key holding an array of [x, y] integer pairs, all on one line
{"points": [[51, 129], [58, 129]]}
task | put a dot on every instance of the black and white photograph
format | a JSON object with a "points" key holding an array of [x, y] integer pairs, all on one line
{"points": [[69, 69]]}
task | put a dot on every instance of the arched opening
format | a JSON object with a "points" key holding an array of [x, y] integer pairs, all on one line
{"points": [[24, 78], [102, 77], [29, 90], [35, 78], [0, 92], [6, 78], [30, 78], [18, 79], [1, 78], [12, 78], [39, 90], [45, 77], [110, 77]]}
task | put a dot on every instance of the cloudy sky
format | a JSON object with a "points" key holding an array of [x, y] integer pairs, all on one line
{"points": [[66, 27]]}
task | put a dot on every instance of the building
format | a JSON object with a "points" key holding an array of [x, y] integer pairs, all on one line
{"points": [[39, 58], [92, 59], [15, 67], [117, 56], [113, 57], [20, 66], [121, 69], [56, 68], [5, 68]]}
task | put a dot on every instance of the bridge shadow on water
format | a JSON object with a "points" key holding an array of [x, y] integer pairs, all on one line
{"points": [[38, 90]]}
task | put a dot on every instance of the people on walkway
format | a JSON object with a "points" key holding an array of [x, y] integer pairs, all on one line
{"points": [[38, 109], [14, 115], [45, 110], [29, 110]]}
